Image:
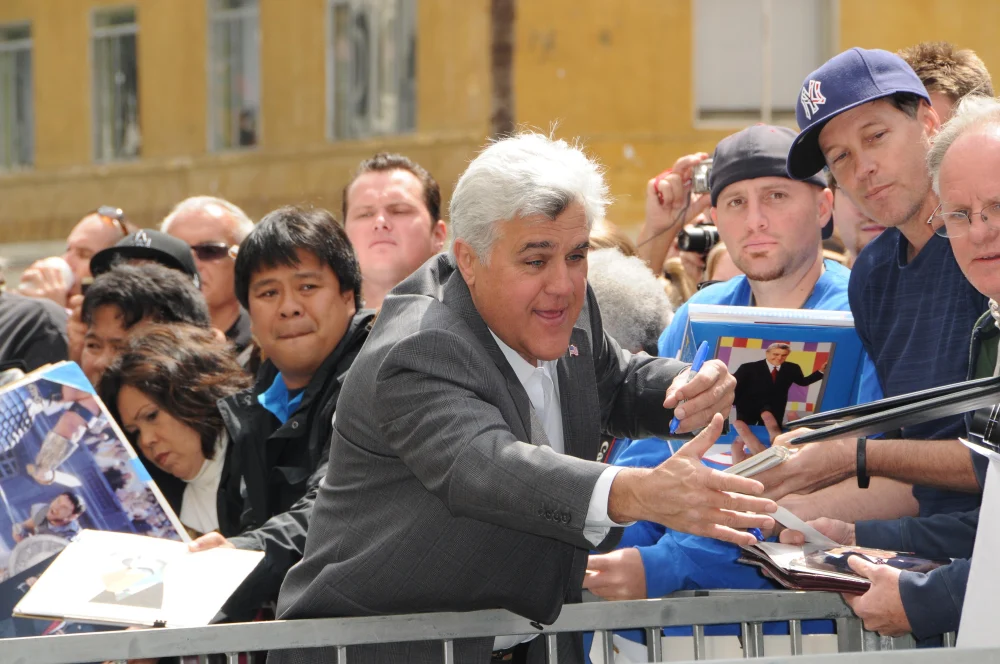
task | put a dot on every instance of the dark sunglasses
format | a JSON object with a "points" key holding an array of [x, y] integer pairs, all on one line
{"points": [[213, 251], [112, 216]]}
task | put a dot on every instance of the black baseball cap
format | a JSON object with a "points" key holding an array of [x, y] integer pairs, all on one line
{"points": [[150, 245], [756, 152], [844, 81]]}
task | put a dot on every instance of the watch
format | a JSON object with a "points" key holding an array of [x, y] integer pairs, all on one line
{"points": [[862, 470]]}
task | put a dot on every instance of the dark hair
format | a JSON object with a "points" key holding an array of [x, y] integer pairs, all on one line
{"points": [[79, 504], [275, 240], [906, 102], [383, 162], [185, 370], [147, 291]]}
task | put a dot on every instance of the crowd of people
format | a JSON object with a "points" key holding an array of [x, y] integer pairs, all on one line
{"points": [[406, 424]]}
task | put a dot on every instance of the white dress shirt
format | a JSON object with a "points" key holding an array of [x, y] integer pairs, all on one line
{"points": [[199, 507], [542, 385]]}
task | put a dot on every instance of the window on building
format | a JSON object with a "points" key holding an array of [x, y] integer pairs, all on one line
{"points": [[745, 73], [17, 126], [371, 68], [234, 74], [116, 84]]}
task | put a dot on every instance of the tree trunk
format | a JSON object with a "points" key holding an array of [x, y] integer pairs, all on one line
{"points": [[502, 66]]}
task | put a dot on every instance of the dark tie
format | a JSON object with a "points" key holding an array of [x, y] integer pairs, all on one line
{"points": [[774, 375]]}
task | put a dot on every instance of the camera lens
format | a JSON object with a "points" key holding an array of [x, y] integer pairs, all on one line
{"points": [[699, 239]]}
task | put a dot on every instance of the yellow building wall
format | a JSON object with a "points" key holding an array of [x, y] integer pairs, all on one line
{"points": [[615, 73], [293, 163]]}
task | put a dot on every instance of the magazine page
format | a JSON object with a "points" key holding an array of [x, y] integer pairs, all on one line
{"points": [[65, 466], [115, 578]]}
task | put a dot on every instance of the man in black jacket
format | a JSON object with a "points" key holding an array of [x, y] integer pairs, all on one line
{"points": [[298, 277], [763, 385]]}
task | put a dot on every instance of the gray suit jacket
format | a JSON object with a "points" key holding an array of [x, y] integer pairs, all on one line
{"points": [[441, 494]]}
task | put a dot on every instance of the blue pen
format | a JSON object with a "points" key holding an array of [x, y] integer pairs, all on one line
{"points": [[756, 533], [699, 359]]}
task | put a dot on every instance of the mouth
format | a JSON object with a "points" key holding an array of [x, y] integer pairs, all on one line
{"points": [[386, 242], [294, 334], [554, 317], [161, 459], [988, 258], [872, 228], [877, 192]]}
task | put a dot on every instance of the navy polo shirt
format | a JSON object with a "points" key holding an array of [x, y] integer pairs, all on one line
{"points": [[915, 319]]}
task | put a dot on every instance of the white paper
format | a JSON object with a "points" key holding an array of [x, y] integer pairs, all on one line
{"points": [[978, 627], [122, 579], [813, 536]]}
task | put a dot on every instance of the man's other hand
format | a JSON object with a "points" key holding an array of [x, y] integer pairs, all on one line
{"points": [[881, 608], [616, 575], [684, 494], [810, 467], [711, 391], [210, 541]]}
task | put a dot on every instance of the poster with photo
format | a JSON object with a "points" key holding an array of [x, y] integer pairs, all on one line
{"points": [[65, 466]]}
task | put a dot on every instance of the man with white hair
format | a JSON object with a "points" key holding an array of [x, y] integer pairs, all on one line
{"points": [[477, 406], [214, 228]]}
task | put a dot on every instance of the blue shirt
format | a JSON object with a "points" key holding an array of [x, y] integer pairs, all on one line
{"points": [[915, 319], [278, 400], [678, 561]]}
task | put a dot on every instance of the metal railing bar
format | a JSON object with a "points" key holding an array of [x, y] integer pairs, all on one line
{"points": [[342, 655], [795, 634], [698, 633], [449, 651], [609, 646], [753, 639], [948, 640], [654, 644], [551, 649]]}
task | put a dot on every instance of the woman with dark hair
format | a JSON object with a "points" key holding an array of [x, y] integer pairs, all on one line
{"points": [[163, 390]]}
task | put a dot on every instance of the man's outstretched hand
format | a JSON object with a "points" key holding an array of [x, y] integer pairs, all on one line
{"points": [[684, 494]]}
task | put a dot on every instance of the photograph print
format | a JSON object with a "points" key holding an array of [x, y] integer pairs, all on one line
{"points": [[785, 378]]}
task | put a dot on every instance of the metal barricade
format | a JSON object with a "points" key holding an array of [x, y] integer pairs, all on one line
{"points": [[748, 608]]}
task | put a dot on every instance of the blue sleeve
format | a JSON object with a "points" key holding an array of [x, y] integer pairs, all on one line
{"points": [[672, 338], [933, 602], [679, 561], [869, 388], [938, 536]]}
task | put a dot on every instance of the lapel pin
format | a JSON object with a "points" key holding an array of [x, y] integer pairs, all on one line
{"points": [[573, 352]]}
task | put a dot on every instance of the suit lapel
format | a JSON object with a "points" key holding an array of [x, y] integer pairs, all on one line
{"points": [[578, 399], [458, 298]]}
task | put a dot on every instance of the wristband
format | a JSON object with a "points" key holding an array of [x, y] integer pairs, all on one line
{"points": [[862, 470]]}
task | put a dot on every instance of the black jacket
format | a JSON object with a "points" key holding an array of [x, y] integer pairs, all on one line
{"points": [[273, 470]]}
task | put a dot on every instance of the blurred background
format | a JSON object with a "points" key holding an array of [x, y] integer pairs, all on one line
{"points": [[140, 103]]}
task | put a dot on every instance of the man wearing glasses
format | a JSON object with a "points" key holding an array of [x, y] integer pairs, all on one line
{"points": [[48, 278], [214, 228]]}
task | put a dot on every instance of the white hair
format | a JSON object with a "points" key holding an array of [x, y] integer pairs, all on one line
{"points": [[634, 307], [520, 176], [242, 225], [973, 112]]}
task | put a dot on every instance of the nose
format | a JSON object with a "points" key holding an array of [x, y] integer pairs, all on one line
{"points": [[382, 220], [559, 282], [290, 307], [984, 228], [865, 166], [756, 219]]}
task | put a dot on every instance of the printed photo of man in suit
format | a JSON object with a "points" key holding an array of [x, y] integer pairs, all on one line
{"points": [[462, 468], [763, 385]]}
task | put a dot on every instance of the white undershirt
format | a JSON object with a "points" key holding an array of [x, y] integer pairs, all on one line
{"points": [[772, 367], [199, 506], [542, 385]]}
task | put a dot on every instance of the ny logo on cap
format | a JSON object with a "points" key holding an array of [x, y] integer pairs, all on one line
{"points": [[142, 240], [811, 98]]}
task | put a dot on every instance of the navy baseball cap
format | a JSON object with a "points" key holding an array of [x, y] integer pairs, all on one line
{"points": [[850, 79]]}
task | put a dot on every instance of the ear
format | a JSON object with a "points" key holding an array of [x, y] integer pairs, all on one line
{"points": [[348, 297], [219, 334], [824, 206], [711, 213], [466, 260], [439, 235], [929, 118]]}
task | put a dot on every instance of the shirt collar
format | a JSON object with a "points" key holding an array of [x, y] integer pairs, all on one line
{"points": [[275, 399], [522, 369]]}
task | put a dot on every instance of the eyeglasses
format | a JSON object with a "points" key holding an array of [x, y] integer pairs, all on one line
{"points": [[957, 224], [112, 216], [213, 251]]}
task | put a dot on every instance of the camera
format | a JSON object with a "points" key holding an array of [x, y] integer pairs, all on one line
{"points": [[702, 176], [699, 239]]}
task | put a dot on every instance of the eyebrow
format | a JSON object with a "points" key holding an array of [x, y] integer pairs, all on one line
{"points": [[310, 274]]}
